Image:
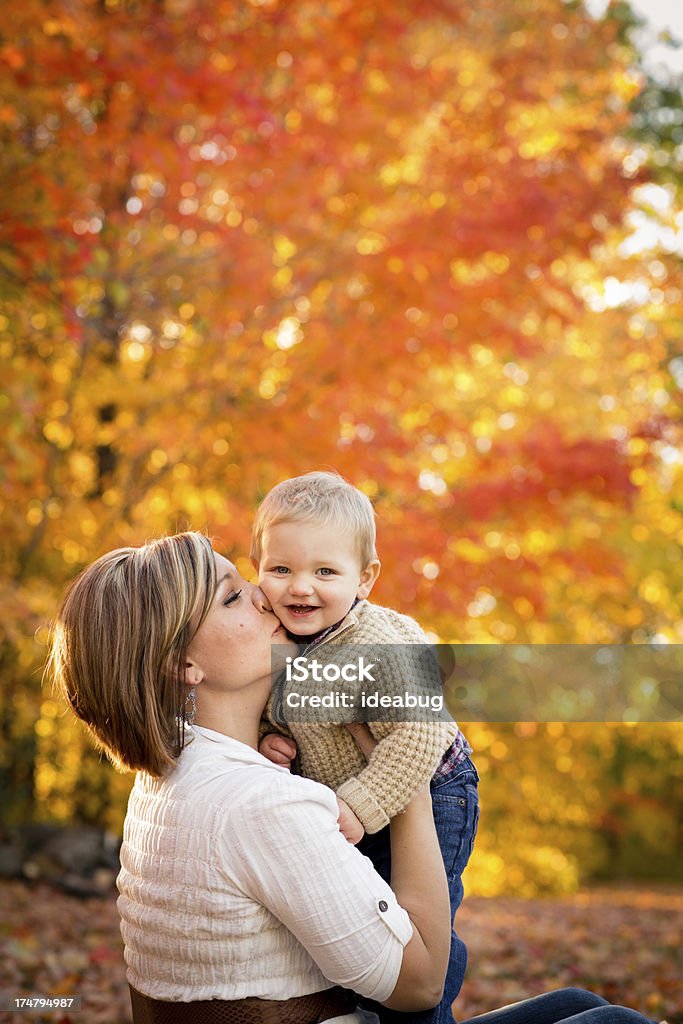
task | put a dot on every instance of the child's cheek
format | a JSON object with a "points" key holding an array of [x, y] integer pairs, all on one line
{"points": [[271, 592]]}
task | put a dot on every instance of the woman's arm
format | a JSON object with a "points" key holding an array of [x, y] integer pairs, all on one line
{"points": [[418, 879], [284, 849]]}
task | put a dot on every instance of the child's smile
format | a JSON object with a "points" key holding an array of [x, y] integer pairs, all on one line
{"points": [[311, 574], [302, 609]]}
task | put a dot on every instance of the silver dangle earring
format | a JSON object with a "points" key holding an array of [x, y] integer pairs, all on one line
{"points": [[190, 713]]}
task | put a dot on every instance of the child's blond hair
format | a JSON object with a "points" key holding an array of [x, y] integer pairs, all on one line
{"points": [[325, 498]]}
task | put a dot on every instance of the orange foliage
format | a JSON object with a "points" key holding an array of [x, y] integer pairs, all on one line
{"points": [[243, 240]]}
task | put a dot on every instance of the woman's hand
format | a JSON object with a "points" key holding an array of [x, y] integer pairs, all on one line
{"points": [[278, 749], [363, 737]]}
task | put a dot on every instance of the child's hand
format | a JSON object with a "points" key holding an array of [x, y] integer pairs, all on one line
{"points": [[260, 600], [349, 825], [278, 749], [363, 737]]}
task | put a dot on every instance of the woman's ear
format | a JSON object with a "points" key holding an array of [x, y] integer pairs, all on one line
{"points": [[368, 578], [193, 674]]}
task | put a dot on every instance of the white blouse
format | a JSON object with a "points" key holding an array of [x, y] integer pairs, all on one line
{"points": [[235, 881]]}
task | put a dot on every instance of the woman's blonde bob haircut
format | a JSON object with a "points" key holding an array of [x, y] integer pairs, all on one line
{"points": [[119, 646], [319, 497]]}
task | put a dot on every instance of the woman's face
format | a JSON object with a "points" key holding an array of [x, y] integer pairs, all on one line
{"points": [[231, 649]]}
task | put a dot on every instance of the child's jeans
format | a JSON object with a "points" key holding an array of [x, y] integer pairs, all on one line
{"points": [[455, 802]]}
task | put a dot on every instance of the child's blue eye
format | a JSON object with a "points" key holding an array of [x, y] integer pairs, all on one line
{"points": [[233, 597], [326, 572], [281, 570]]}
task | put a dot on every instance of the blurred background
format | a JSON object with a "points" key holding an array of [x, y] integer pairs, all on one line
{"points": [[435, 246]]}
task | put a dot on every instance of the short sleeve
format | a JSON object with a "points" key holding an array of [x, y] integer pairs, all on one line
{"points": [[285, 850]]}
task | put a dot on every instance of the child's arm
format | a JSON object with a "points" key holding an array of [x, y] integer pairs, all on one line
{"points": [[350, 825], [278, 749], [404, 759], [363, 737]]}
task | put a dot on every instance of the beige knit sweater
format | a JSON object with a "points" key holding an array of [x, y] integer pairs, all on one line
{"points": [[407, 753]]}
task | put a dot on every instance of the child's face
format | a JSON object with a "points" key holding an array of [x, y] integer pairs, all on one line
{"points": [[311, 574]]}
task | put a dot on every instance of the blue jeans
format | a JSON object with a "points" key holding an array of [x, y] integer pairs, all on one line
{"points": [[455, 802], [565, 1004]]}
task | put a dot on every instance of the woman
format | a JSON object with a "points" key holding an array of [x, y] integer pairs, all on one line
{"points": [[240, 899]]}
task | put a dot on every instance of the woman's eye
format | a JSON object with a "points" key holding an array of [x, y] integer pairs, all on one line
{"points": [[232, 598]]}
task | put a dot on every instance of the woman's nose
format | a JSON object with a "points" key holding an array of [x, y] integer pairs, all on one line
{"points": [[259, 599]]}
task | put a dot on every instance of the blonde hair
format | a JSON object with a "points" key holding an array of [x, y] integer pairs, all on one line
{"points": [[119, 646], [320, 497]]}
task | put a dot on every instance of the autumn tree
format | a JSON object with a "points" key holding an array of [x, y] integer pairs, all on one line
{"points": [[243, 240]]}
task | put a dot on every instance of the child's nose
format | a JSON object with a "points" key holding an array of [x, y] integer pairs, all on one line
{"points": [[300, 585]]}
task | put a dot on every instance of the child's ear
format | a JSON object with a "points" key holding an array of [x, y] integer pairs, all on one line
{"points": [[368, 578]]}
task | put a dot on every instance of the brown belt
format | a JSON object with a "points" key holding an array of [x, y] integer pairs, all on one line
{"points": [[311, 1009]]}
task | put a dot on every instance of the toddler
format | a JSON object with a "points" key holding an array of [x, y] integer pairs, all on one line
{"points": [[313, 544]]}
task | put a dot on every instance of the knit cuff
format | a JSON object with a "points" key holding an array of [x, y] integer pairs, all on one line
{"points": [[364, 805]]}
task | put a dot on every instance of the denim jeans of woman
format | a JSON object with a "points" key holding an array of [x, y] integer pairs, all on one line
{"points": [[575, 1005], [563, 1006]]}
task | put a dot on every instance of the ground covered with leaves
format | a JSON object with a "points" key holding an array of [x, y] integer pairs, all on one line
{"points": [[623, 943]]}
